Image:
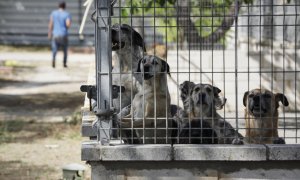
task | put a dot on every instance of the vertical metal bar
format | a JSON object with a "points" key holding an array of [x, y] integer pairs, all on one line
{"points": [[201, 48], [189, 49], [212, 57], [132, 70], [296, 57], [166, 103], [248, 65], [260, 42], [272, 58], [143, 83], [223, 54], [236, 67], [103, 69], [119, 70], [283, 65], [155, 103], [143, 87], [177, 62]]}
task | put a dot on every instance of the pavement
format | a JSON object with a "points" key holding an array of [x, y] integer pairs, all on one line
{"points": [[31, 89]]}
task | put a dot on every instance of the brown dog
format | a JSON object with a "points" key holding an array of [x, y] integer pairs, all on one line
{"points": [[261, 116], [150, 107]]}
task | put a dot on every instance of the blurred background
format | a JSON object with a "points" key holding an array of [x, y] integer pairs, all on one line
{"points": [[40, 114]]}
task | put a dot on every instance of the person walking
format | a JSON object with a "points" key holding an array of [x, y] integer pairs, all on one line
{"points": [[59, 23]]}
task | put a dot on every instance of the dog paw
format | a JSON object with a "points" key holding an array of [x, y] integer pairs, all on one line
{"points": [[124, 112], [237, 141], [279, 141]]}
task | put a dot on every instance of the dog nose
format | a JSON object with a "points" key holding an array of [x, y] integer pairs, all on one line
{"points": [[146, 68], [256, 100], [202, 96]]}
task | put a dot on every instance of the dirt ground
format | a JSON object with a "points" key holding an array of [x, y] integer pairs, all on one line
{"points": [[40, 113]]}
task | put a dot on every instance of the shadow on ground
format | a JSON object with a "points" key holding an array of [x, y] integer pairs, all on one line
{"points": [[15, 170]]}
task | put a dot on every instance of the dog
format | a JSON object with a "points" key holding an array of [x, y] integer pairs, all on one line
{"points": [[129, 48], [261, 116], [201, 102], [150, 108]]}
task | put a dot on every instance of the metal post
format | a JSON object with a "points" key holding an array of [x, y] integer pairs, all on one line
{"points": [[103, 69]]}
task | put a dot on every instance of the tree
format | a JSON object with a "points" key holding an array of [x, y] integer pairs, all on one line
{"points": [[199, 21]]}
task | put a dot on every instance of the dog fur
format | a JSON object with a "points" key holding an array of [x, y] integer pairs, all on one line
{"points": [[151, 105], [129, 49], [261, 116], [201, 102]]}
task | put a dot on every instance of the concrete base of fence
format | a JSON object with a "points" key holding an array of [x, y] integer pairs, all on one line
{"points": [[194, 170], [219, 152], [192, 161]]}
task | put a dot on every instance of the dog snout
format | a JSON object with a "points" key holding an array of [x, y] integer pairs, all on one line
{"points": [[146, 68], [202, 98], [256, 100]]}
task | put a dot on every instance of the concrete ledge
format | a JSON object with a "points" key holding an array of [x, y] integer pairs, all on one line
{"points": [[136, 153], [88, 117], [220, 152], [87, 130], [284, 152], [90, 151]]}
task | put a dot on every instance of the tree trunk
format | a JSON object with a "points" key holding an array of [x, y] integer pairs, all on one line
{"points": [[192, 34]]}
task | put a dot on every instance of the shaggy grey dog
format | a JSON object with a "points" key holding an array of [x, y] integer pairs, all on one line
{"points": [[201, 102]]}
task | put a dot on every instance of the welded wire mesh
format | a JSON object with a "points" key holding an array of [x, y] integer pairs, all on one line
{"points": [[234, 46]]}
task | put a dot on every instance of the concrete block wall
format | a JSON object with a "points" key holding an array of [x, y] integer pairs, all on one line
{"points": [[192, 161]]}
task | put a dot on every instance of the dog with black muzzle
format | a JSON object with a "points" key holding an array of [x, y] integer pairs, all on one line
{"points": [[192, 130], [202, 103], [129, 48], [150, 109], [261, 116]]}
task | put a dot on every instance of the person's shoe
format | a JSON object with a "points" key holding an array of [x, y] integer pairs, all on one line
{"points": [[53, 64], [65, 66]]}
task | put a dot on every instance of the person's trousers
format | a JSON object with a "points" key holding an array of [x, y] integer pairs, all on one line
{"points": [[57, 43]]}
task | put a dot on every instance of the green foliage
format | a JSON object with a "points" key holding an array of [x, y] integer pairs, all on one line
{"points": [[207, 15]]}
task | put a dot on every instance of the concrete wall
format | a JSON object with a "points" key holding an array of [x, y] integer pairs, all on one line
{"points": [[194, 170], [192, 161]]}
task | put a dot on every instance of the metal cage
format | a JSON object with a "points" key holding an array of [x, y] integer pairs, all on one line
{"points": [[233, 46]]}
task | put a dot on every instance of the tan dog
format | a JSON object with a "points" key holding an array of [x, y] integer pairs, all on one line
{"points": [[150, 107], [261, 116], [201, 102]]}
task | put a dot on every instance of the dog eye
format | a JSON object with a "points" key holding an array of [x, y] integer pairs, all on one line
{"points": [[208, 89], [197, 89]]}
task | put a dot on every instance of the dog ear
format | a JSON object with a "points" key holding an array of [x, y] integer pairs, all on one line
{"points": [[138, 40], [245, 98], [139, 65], [165, 67], [216, 91], [186, 89], [281, 97], [219, 102]]}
